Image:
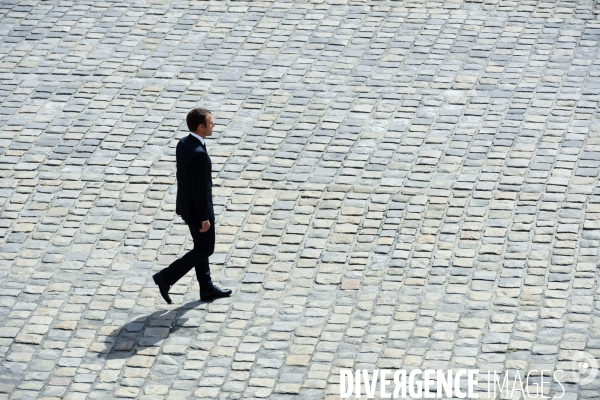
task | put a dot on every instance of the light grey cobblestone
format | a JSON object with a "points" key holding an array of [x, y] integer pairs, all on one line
{"points": [[398, 184]]}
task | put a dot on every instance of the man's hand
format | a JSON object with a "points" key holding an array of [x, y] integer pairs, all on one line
{"points": [[205, 226]]}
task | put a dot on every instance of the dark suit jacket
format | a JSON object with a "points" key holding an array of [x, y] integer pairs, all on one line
{"points": [[194, 182]]}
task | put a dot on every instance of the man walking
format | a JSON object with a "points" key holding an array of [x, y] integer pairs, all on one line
{"points": [[195, 206]]}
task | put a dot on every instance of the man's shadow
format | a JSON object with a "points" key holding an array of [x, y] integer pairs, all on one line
{"points": [[147, 331]]}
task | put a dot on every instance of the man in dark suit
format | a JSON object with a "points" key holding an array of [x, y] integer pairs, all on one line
{"points": [[194, 205]]}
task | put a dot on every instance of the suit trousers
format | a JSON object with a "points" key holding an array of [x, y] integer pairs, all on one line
{"points": [[196, 258]]}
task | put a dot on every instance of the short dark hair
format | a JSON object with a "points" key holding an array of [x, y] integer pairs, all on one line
{"points": [[196, 117]]}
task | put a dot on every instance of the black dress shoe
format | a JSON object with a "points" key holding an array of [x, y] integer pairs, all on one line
{"points": [[162, 286], [216, 293]]}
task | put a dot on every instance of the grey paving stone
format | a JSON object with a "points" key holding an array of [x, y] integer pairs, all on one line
{"points": [[397, 185]]}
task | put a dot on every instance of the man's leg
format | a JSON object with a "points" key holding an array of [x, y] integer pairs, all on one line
{"points": [[203, 275], [203, 242], [182, 266], [206, 243]]}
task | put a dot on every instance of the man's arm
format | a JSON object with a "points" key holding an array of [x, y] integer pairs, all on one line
{"points": [[199, 180]]}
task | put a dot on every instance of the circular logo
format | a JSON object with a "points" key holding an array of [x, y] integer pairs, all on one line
{"points": [[585, 367]]}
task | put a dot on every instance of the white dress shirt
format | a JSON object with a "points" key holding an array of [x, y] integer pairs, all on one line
{"points": [[199, 137]]}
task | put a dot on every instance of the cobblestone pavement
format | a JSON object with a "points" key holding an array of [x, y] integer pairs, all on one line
{"points": [[398, 185]]}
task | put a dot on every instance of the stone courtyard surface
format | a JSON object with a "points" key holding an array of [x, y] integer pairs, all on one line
{"points": [[404, 184]]}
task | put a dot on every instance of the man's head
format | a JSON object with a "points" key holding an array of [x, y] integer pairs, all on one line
{"points": [[200, 121]]}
